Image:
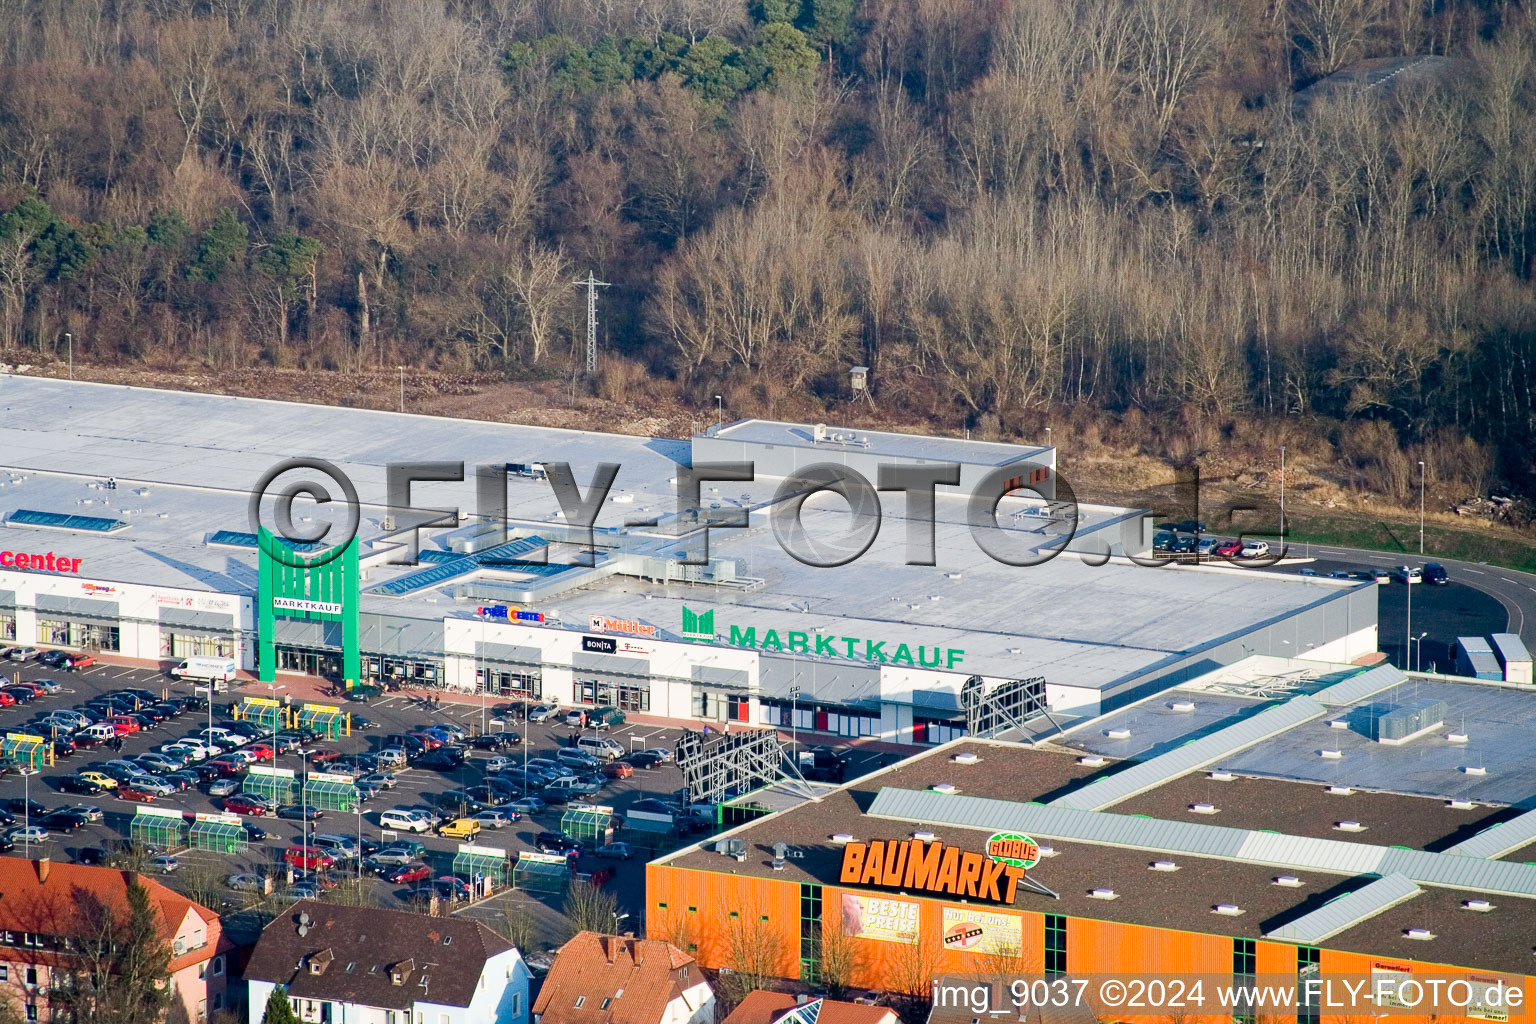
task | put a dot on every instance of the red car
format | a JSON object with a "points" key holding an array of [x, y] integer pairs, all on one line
{"points": [[323, 756], [1228, 548], [36, 688], [427, 739], [308, 858], [240, 803], [618, 770], [127, 792], [226, 768], [260, 752], [123, 725], [6, 700], [410, 873]]}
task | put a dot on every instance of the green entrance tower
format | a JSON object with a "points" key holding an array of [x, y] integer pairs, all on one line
{"points": [[324, 587]]}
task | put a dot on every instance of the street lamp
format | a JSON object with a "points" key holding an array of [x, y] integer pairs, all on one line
{"points": [[1408, 625], [719, 410], [1421, 506], [69, 339], [402, 389], [1282, 496], [1418, 661]]}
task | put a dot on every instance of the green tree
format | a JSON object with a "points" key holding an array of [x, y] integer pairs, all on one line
{"points": [[121, 971], [279, 1010], [166, 229], [771, 12], [786, 62], [220, 247], [828, 22], [712, 68], [650, 58], [288, 262]]}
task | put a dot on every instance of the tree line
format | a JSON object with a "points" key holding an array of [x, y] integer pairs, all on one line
{"points": [[1183, 210]]}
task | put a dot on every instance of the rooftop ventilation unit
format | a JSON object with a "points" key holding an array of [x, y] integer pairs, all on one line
{"points": [[1288, 881], [1330, 755], [1182, 705], [1474, 769], [1349, 826], [1164, 865], [1455, 737], [947, 788], [1338, 723], [1462, 805], [1421, 934], [1481, 906], [842, 838], [1203, 808], [1103, 894], [924, 836], [1091, 761], [1221, 776], [1341, 791], [1227, 909], [1118, 734], [1046, 851], [968, 757]]}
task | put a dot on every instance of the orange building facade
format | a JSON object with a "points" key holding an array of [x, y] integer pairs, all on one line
{"points": [[900, 942]]}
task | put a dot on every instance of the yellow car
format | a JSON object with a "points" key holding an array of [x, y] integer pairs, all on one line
{"points": [[104, 781], [459, 828]]}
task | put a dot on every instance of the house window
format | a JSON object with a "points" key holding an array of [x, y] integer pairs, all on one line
{"points": [[1244, 967], [389, 1017], [1055, 944], [218, 1001], [517, 1005], [31, 975], [202, 1009], [580, 1001], [5, 973], [607, 1001], [1306, 970], [218, 966], [309, 1010], [202, 970], [31, 1011]]}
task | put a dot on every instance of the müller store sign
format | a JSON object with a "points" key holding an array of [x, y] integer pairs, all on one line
{"points": [[917, 866]]}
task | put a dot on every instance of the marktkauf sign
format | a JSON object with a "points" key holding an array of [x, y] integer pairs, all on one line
{"points": [[295, 604], [917, 866], [701, 626]]}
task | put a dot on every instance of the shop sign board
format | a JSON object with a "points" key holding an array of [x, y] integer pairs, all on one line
{"points": [[982, 931], [875, 917], [915, 865], [699, 625], [1015, 849], [603, 624]]}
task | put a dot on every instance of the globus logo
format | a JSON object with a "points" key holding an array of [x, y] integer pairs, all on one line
{"points": [[1013, 849]]}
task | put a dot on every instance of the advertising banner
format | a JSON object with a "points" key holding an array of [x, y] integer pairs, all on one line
{"points": [[874, 917], [982, 931]]}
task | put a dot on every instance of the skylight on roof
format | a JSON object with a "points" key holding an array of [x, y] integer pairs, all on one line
{"points": [[63, 521]]}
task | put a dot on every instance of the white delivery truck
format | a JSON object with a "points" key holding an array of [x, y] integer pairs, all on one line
{"points": [[214, 670]]}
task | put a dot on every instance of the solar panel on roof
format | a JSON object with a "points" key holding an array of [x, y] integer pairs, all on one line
{"points": [[1197, 753], [452, 565], [237, 539], [63, 521], [1347, 911]]}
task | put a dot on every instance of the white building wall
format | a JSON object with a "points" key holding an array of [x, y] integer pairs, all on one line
{"points": [[695, 1006]]}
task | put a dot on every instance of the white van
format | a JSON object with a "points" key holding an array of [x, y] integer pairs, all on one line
{"points": [[101, 732], [212, 669], [600, 747], [404, 821]]}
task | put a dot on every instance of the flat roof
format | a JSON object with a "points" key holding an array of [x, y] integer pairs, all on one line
{"points": [[1182, 899], [879, 442], [185, 463]]}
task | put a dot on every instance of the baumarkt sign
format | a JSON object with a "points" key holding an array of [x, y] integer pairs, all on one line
{"points": [[700, 626], [916, 866]]}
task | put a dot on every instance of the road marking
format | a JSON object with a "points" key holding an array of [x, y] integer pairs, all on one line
{"points": [[1478, 571], [1506, 579]]}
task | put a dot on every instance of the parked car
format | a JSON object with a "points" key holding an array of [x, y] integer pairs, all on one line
{"points": [[1254, 549], [1434, 572], [245, 883], [452, 888], [663, 754], [245, 803], [1381, 575], [528, 805], [616, 851], [165, 864], [543, 712], [223, 787], [93, 814], [254, 833], [308, 858], [393, 757], [557, 842], [299, 812], [495, 818], [1410, 574], [1228, 548], [77, 784], [22, 653], [323, 755], [574, 758], [93, 855], [403, 819], [409, 873], [384, 780], [30, 834], [443, 759], [459, 828], [64, 820], [126, 791], [619, 770]]}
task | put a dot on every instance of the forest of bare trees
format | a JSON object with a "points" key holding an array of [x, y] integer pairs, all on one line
{"points": [[1175, 209]]}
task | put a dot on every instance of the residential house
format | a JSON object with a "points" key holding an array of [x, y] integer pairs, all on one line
{"points": [[45, 908], [363, 965], [619, 979], [762, 1007]]}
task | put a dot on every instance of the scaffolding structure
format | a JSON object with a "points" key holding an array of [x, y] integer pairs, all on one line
{"points": [[541, 872], [158, 828], [716, 769]]}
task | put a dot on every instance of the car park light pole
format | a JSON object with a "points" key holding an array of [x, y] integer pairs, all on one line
{"points": [[1421, 506]]}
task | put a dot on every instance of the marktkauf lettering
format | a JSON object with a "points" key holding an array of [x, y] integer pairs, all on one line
{"points": [[929, 867], [854, 647]]}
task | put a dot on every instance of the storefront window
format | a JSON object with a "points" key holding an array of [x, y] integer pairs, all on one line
{"points": [[7, 627], [935, 730], [509, 683], [81, 635], [184, 645], [626, 696]]}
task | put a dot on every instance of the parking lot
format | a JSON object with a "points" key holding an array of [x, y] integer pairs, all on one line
{"points": [[415, 786]]}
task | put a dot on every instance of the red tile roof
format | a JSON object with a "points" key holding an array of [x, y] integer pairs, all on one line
{"points": [[41, 896], [762, 1007], [639, 977]]}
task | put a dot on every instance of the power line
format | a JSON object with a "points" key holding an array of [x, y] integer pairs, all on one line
{"points": [[592, 285]]}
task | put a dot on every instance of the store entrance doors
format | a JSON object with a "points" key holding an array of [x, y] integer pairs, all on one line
{"points": [[310, 662]]}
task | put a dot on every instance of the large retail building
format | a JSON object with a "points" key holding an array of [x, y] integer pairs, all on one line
{"points": [[1276, 818], [126, 529]]}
